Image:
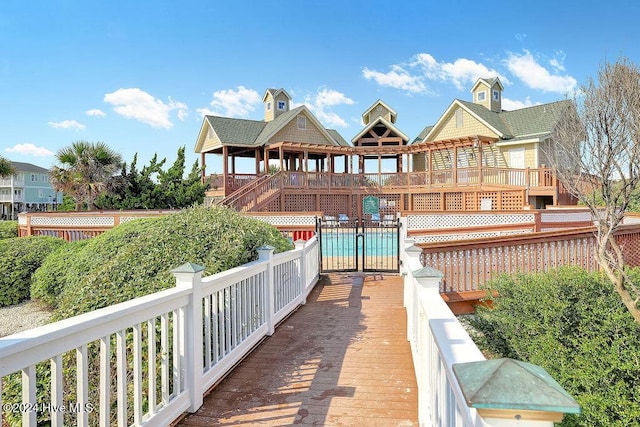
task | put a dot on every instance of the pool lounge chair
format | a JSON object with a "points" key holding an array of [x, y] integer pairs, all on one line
{"points": [[330, 221], [388, 221], [375, 218], [343, 219]]}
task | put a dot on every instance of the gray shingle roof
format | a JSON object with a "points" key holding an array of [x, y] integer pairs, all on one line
{"points": [[537, 120], [236, 131], [338, 138], [28, 167], [422, 135]]}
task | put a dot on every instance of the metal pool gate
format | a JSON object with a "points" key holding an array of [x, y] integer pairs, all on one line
{"points": [[349, 245]]}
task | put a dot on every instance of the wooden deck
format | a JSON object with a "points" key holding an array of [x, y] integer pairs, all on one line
{"points": [[342, 359]]}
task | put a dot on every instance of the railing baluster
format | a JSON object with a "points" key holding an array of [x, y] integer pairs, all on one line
{"points": [[151, 365], [207, 332], [82, 385], [57, 417], [29, 395], [137, 374], [121, 374], [164, 353]]}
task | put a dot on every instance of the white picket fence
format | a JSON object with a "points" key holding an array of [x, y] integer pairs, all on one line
{"points": [[148, 360]]}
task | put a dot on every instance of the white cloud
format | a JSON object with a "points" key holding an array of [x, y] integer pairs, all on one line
{"points": [[137, 104], [205, 112], [513, 104], [330, 97], [235, 103], [423, 67], [521, 36], [320, 105], [526, 68], [67, 124], [29, 149], [95, 113], [462, 72], [397, 78]]}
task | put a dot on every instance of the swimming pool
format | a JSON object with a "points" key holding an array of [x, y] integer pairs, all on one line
{"points": [[370, 243]]}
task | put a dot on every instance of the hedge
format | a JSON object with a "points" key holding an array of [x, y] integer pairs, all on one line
{"points": [[21, 256], [8, 229], [573, 324], [136, 258]]}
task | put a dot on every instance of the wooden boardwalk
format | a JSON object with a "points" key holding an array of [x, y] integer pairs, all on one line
{"points": [[340, 360]]}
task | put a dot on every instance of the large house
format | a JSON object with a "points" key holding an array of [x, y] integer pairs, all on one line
{"points": [[28, 189], [475, 157]]}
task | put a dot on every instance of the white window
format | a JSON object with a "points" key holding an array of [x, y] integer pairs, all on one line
{"points": [[282, 105], [44, 178], [302, 122], [481, 96], [496, 95], [17, 192], [34, 177], [268, 106], [40, 193], [459, 118]]}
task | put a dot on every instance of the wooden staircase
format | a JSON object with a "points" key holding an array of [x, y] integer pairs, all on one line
{"points": [[256, 194]]}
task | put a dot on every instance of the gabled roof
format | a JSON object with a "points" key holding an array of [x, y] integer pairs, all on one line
{"points": [[255, 133], [338, 138], [535, 122], [488, 82], [274, 93], [28, 167], [384, 122], [422, 135], [394, 115]]}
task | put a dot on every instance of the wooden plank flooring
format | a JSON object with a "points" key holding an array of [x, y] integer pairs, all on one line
{"points": [[340, 360]]}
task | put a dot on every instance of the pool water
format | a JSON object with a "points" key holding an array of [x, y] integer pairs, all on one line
{"points": [[372, 243]]}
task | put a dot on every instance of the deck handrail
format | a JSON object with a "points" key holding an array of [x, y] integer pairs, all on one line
{"points": [[201, 329]]}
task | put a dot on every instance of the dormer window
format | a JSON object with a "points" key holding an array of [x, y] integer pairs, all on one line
{"points": [[268, 106], [302, 122], [481, 96], [496, 95], [282, 105]]}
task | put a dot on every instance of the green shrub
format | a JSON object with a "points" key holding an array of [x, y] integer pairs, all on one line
{"points": [[136, 258], [21, 256], [573, 324], [8, 229], [50, 279]]}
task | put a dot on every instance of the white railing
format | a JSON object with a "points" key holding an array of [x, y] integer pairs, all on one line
{"points": [[438, 341], [146, 361]]}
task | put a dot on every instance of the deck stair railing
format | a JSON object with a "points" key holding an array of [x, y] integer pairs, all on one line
{"points": [[146, 361], [255, 193]]}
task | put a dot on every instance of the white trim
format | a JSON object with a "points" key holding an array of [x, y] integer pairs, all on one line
{"points": [[517, 142], [284, 106], [375, 122], [379, 101], [495, 92], [441, 121], [484, 96]]}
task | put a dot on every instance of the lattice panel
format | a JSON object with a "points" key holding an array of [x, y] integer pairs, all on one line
{"points": [[124, 219], [453, 201], [465, 236], [22, 220], [512, 200], [390, 204], [557, 216], [492, 195], [630, 244], [299, 202], [334, 204], [78, 221], [288, 220], [427, 202], [431, 221], [272, 206], [470, 202]]}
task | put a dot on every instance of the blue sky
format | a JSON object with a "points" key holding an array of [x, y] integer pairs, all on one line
{"points": [[140, 75]]}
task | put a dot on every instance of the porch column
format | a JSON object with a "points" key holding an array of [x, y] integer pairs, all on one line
{"points": [[233, 164], [203, 174], [478, 145], [256, 154], [266, 161], [306, 161], [281, 155], [455, 165], [225, 169]]}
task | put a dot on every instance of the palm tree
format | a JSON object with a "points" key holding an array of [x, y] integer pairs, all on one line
{"points": [[6, 168], [86, 170]]}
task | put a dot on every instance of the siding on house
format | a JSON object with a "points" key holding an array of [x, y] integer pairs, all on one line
{"points": [[290, 132], [470, 126]]}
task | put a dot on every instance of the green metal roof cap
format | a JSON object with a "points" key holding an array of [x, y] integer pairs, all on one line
{"points": [[427, 272], [512, 384], [188, 267]]}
